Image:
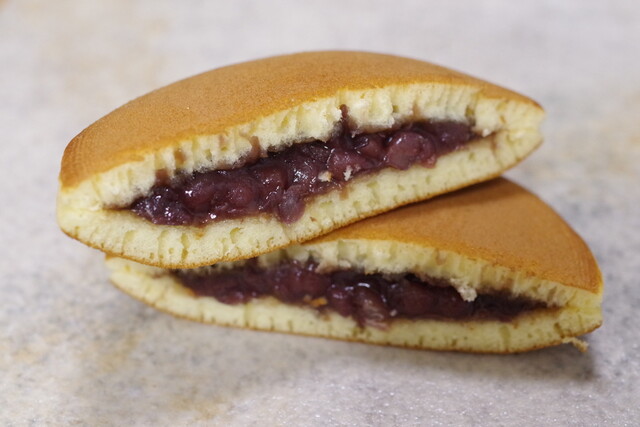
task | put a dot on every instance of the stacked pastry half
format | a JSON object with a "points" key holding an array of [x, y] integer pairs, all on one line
{"points": [[290, 194]]}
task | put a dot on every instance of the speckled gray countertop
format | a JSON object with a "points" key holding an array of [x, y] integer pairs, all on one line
{"points": [[74, 350]]}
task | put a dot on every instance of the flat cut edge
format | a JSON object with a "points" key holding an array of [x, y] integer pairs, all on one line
{"points": [[575, 311]]}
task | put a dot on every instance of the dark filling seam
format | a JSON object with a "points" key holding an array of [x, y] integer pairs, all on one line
{"points": [[281, 183], [370, 299]]}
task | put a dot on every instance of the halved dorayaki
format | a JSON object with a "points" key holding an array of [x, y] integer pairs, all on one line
{"points": [[252, 157], [490, 268]]}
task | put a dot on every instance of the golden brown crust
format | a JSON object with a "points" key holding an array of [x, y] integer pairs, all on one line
{"points": [[213, 101], [497, 221]]}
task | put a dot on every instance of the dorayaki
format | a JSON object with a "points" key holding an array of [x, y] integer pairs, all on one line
{"points": [[249, 158]]}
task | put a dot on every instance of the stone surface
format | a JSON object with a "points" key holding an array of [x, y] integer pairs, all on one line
{"points": [[73, 350]]}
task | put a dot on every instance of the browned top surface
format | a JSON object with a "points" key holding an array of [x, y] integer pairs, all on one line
{"points": [[497, 221], [210, 102]]}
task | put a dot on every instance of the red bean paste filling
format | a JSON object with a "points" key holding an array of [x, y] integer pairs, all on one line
{"points": [[370, 299], [281, 182]]}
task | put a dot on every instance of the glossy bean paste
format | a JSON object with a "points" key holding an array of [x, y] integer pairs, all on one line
{"points": [[281, 183], [370, 299]]}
